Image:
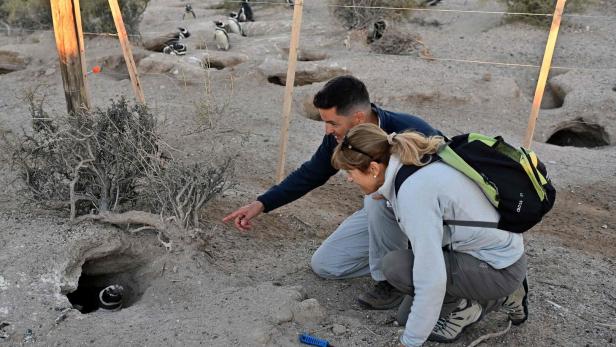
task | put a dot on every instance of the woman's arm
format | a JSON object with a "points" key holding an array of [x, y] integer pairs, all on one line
{"points": [[421, 219]]}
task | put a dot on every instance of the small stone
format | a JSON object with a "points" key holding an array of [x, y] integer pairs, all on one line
{"points": [[487, 77], [338, 329], [282, 315], [50, 72], [309, 310], [604, 226]]}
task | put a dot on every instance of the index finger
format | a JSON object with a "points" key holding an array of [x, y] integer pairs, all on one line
{"points": [[231, 216]]}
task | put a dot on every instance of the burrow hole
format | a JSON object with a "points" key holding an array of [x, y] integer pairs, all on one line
{"points": [[553, 98], [579, 133], [120, 270]]}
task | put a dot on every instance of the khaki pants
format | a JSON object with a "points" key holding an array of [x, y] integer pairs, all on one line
{"points": [[467, 278]]}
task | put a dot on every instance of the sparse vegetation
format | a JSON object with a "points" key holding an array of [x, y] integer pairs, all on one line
{"points": [[399, 43], [540, 6], [105, 162], [96, 15], [359, 14]]}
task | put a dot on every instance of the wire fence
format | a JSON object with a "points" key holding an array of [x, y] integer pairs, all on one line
{"points": [[179, 82]]}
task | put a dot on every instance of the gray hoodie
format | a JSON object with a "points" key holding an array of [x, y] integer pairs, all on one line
{"points": [[431, 194]]}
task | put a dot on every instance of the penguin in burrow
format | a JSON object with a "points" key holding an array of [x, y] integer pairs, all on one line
{"points": [[233, 25], [221, 36], [89, 299]]}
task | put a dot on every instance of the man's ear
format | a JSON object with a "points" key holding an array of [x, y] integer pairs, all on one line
{"points": [[359, 117]]}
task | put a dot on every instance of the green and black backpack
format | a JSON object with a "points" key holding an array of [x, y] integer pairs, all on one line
{"points": [[513, 179]]}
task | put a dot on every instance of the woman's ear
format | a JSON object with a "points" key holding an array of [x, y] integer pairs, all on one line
{"points": [[376, 169]]}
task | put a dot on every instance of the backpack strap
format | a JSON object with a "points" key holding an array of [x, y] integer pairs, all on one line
{"points": [[407, 170], [470, 223]]}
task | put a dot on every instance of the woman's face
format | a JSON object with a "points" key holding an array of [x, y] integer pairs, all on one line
{"points": [[370, 180]]}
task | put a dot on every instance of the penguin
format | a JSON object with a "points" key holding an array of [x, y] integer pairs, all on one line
{"points": [[241, 15], [158, 44], [188, 9], [175, 48], [221, 36], [233, 25], [245, 12], [110, 298], [290, 3], [377, 30], [90, 299]]}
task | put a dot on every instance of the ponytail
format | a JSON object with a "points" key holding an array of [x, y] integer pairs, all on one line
{"points": [[366, 143]]}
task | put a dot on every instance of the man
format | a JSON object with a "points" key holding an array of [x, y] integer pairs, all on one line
{"points": [[359, 244]]}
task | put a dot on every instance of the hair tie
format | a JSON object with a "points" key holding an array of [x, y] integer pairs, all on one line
{"points": [[390, 138]]}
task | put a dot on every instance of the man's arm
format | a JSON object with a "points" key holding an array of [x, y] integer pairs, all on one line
{"points": [[310, 175]]}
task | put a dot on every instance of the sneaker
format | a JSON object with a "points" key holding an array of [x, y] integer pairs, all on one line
{"points": [[382, 297], [516, 304], [449, 329]]}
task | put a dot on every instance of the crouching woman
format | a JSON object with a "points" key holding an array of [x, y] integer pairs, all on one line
{"points": [[453, 275]]}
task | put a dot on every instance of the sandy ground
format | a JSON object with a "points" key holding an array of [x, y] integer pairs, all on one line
{"points": [[257, 289]]}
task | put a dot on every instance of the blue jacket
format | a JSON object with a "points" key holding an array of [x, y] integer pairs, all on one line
{"points": [[316, 171]]}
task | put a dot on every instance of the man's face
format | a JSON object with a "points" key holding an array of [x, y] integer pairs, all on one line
{"points": [[338, 125]]}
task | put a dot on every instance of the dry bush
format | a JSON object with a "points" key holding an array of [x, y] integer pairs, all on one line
{"points": [[107, 161], [398, 43], [95, 14], [540, 6], [359, 17]]}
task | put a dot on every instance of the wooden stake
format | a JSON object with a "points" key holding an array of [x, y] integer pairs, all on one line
{"points": [[126, 50], [69, 43], [288, 90], [543, 73]]}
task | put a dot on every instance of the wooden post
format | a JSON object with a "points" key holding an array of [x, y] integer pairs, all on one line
{"points": [[543, 73], [69, 43], [126, 50], [288, 90]]}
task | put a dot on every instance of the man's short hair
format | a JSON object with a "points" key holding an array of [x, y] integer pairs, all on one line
{"points": [[344, 93]]}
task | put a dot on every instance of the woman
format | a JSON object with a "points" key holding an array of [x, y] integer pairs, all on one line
{"points": [[454, 274]]}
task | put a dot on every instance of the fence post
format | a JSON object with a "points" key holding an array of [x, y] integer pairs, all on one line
{"points": [[288, 90], [69, 43], [126, 50], [543, 73]]}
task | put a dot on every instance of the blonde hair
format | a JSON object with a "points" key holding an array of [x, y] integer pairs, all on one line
{"points": [[367, 142]]}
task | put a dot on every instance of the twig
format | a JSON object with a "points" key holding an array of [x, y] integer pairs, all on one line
{"points": [[611, 326], [489, 336], [556, 305]]}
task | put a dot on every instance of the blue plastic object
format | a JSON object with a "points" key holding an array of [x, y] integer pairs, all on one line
{"points": [[314, 341]]}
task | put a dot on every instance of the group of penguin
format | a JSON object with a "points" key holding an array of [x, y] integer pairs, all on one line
{"points": [[232, 25]]}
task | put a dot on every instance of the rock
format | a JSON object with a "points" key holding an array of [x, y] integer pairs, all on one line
{"points": [[282, 315], [11, 61], [338, 329], [305, 54], [309, 310], [305, 73], [261, 336], [183, 69], [50, 71]]}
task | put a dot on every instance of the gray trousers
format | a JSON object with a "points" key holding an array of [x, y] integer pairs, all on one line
{"points": [[360, 243], [467, 278]]}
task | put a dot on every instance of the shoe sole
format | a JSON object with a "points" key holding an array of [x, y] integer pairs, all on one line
{"points": [[393, 304], [524, 305]]}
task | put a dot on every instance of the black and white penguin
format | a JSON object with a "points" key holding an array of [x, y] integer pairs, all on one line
{"points": [[90, 299], [377, 30], [245, 12], [221, 36], [233, 25], [158, 44], [291, 3], [188, 9], [175, 48], [110, 298]]}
